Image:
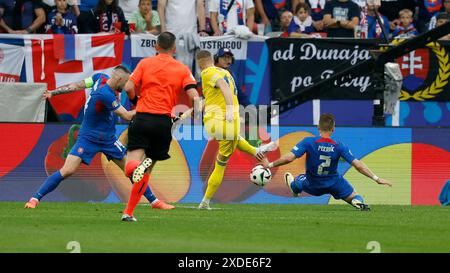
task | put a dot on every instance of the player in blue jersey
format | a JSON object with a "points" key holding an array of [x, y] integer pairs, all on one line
{"points": [[98, 130], [322, 157]]}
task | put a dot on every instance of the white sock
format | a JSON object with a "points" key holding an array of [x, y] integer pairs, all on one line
{"points": [[206, 200]]}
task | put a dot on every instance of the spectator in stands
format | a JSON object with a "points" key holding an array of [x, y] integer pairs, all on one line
{"points": [[208, 28], [21, 17], [361, 3], [445, 8], [269, 12], [302, 24], [145, 19], [441, 19], [340, 18], [181, 16], [285, 20], [317, 8], [406, 28], [128, 7], [61, 20], [109, 17], [49, 6], [391, 8], [224, 18], [374, 30], [425, 11], [86, 19]]}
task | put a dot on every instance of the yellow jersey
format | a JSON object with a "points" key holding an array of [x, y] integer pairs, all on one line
{"points": [[215, 106]]}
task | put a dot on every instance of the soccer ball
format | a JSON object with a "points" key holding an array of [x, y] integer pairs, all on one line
{"points": [[260, 176]]}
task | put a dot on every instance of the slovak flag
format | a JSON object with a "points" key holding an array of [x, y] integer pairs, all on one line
{"points": [[12, 55]]}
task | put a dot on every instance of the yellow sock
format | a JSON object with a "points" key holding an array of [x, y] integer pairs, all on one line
{"points": [[244, 146], [215, 179]]}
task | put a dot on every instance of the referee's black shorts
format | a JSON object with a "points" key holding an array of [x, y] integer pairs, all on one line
{"points": [[151, 132]]}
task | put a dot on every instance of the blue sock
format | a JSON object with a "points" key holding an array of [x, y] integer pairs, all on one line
{"points": [[359, 198], [149, 194], [49, 185]]}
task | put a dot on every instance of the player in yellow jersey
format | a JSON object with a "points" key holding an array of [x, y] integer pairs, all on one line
{"points": [[221, 120]]}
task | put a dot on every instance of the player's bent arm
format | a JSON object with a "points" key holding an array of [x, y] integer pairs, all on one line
{"points": [[363, 169], [283, 160], [65, 89], [226, 92], [124, 113]]}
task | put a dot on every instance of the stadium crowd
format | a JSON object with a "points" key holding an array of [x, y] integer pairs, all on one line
{"points": [[285, 18]]}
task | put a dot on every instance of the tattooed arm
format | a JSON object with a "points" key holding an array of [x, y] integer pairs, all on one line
{"points": [[68, 88]]}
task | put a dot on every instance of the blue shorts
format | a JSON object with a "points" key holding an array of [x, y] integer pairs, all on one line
{"points": [[339, 187], [86, 150]]}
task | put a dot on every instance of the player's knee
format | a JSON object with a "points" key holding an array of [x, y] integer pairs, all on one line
{"points": [[67, 171], [130, 167], [222, 158]]}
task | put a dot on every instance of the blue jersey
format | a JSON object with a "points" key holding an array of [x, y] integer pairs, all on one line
{"points": [[99, 122], [322, 157]]}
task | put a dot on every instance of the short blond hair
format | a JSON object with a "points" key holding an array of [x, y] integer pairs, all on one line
{"points": [[203, 54], [406, 12]]}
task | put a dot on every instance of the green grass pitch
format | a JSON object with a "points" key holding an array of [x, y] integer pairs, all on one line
{"points": [[231, 228]]}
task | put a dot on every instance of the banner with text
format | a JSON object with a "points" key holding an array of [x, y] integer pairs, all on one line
{"points": [[300, 63], [143, 45]]}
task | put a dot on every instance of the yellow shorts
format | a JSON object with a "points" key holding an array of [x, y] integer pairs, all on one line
{"points": [[226, 133]]}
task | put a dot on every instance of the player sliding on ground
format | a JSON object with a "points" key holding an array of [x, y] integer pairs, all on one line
{"points": [[98, 131], [322, 156], [221, 120]]}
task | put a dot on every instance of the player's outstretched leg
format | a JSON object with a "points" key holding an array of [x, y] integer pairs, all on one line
{"points": [[155, 203], [137, 191], [294, 185], [214, 181], [52, 182], [140, 170], [244, 146], [289, 180], [357, 201]]}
